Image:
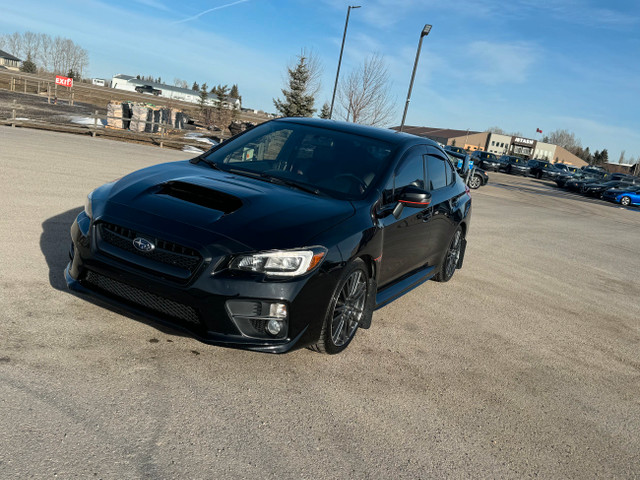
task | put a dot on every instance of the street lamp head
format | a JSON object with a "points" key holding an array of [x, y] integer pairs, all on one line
{"points": [[426, 30], [354, 6]]}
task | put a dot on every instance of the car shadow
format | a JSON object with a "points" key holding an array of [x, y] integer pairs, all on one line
{"points": [[55, 241]]}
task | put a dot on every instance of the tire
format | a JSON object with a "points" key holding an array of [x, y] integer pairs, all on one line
{"points": [[625, 201], [539, 175], [451, 258], [475, 181], [350, 305]]}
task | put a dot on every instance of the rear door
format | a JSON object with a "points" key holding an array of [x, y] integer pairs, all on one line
{"points": [[441, 182]]}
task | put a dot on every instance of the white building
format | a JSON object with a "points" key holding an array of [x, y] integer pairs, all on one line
{"points": [[129, 83], [498, 144]]}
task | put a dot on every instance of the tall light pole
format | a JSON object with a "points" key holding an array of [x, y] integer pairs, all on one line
{"points": [[424, 33], [344, 36]]}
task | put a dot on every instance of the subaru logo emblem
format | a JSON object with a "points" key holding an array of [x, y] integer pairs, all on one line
{"points": [[143, 244]]}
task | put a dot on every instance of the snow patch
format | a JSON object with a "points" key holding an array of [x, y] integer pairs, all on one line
{"points": [[191, 149], [87, 121], [198, 137]]}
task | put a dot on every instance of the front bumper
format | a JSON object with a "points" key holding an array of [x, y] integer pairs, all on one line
{"points": [[199, 305]]}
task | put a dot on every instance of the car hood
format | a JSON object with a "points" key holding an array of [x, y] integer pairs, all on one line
{"points": [[190, 201]]}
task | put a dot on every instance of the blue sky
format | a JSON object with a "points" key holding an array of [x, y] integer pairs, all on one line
{"points": [[520, 64]]}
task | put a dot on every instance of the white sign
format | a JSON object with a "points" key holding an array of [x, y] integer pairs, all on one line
{"points": [[525, 141]]}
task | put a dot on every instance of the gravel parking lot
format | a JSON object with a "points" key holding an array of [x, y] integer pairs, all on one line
{"points": [[526, 364]]}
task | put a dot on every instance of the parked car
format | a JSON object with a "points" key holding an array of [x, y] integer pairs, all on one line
{"points": [[543, 169], [453, 148], [578, 182], [594, 169], [625, 196], [596, 189], [566, 168], [285, 236], [476, 177], [148, 89], [514, 165], [486, 160]]}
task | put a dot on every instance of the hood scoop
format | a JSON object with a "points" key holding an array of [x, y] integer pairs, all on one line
{"points": [[203, 196]]}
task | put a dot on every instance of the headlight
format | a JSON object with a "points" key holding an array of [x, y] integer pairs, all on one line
{"points": [[87, 205], [288, 263]]}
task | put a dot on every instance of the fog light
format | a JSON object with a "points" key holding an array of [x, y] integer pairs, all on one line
{"points": [[278, 310], [274, 327]]}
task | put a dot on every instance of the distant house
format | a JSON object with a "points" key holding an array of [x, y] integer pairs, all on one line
{"points": [[8, 61]]}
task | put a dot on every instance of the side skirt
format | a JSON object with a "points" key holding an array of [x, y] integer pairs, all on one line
{"points": [[402, 286]]}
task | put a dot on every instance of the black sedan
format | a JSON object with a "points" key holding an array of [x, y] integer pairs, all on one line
{"points": [[543, 169], [598, 188], [486, 160], [578, 183], [286, 236], [514, 165]]}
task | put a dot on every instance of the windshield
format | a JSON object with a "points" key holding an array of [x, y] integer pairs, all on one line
{"points": [[339, 164]]}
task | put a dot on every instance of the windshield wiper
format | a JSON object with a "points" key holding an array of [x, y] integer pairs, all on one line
{"points": [[276, 180], [212, 164]]}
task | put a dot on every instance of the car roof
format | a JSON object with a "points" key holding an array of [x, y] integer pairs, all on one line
{"points": [[384, 134]]}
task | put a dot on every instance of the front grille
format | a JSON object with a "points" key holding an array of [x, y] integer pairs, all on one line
{"points": [[144, 299], [165, 252]]}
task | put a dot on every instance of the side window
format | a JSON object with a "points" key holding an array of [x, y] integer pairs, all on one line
{"points": [[436, 172], [409, 172]]}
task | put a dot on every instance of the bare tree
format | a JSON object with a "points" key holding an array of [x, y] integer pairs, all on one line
{"points": [[30, 42], [563, 138], [14, 44], [43, 56], [364, 95], [178, 82], [57, 55]]}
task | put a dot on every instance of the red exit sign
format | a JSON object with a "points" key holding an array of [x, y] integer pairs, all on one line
{"points": [[64, 81]]}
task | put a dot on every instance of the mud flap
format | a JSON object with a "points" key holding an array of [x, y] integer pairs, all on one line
{"points": [[365, 321], [463, 248]]}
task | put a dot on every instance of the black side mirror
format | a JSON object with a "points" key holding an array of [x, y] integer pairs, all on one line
{"points": [[411, 196], [414, 197]]}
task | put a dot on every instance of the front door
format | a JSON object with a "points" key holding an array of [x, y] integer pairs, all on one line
{"points": [[405, 239]]}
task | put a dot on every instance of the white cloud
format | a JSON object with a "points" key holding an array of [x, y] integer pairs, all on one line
{"points": [[493, 63]]}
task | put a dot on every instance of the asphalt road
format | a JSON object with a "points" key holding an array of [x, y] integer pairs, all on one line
{"points": [[526, 364]]}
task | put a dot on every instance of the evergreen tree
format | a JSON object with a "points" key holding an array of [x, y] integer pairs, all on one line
{"points": [[28, 66], [204, 94], [71, 74], [138, 76], [220, 91], [234, 92], [195, 87], [604, 156], [326, 109], [297, 102]]}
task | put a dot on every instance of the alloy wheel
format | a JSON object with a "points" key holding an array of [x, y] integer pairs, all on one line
{"points": [[626, 201], [349, 308], [453, 254]]}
